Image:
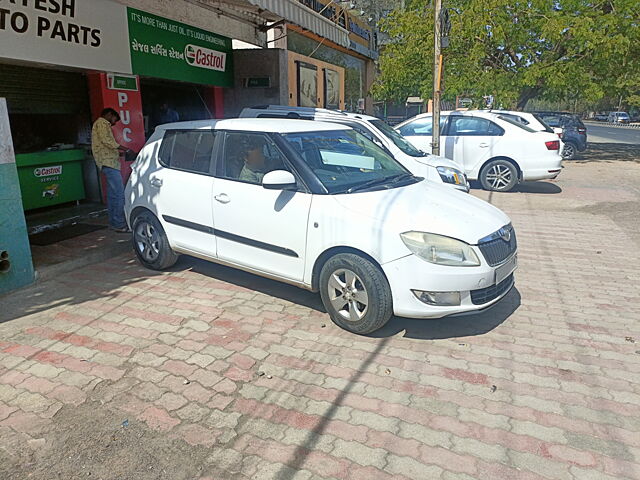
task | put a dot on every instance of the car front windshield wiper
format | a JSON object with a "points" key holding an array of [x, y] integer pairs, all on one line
{"points": [[391, 180]]}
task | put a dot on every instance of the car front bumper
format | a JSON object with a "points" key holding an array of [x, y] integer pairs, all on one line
{"points": [[477, 286]]}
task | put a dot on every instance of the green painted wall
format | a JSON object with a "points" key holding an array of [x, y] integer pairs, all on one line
{"points": [[13, 228], [13, 232]]}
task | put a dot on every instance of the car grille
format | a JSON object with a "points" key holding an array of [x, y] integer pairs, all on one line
{"points": [[495, 249], [484, 295]]}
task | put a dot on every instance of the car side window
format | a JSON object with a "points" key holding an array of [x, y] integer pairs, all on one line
{"points": [[473, 126], [249, 156], [188, 150], [419, 127]]}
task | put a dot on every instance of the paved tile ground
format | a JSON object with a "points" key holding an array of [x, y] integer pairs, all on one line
{"points": [[115, 372]]}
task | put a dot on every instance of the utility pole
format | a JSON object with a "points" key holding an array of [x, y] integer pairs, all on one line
{"points": [[437, 77]]}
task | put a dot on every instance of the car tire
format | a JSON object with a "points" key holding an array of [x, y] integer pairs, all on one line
{"points": [[151, 244], [569, 151], [355, 293], [499, 176]]}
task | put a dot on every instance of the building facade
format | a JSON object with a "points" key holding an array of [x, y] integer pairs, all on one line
{"points": [[63, 61]]}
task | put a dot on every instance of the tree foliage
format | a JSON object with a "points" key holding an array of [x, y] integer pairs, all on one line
{"points": [[516, 50]]}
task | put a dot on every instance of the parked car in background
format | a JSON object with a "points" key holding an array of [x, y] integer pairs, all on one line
{"points": [[574, 132], [433, 168], [492, 148], [601, 117], [618, 117], [531, 120], [320, 206]]}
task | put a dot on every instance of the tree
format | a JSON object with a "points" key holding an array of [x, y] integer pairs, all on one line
{"points": [[516, 50]]}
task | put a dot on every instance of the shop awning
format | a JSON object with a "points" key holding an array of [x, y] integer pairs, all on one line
{"points": [[295, 12]]}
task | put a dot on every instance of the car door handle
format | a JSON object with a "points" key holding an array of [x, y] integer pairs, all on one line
{"points": [[156, 182], [222, 198], [483, 145]]}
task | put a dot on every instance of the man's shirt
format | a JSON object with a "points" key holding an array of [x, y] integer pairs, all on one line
{"points": [[249, 175], [104, 145]]}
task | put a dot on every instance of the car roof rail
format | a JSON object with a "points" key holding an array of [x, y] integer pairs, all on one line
{"points": [[308, 110]]}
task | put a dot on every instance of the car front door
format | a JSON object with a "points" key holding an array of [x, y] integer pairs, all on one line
{"points": [[262, 229], [419, 132], [181, 190], [476, 139]]}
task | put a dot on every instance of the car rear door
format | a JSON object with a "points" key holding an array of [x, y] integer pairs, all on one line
{"points": [[181, 189], [262, 229]]}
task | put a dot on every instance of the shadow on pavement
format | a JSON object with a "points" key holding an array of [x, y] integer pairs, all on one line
{"points": [[542, 187], [609, 152], [461, 325], [454, 326], [99, 281], [273, 288]]}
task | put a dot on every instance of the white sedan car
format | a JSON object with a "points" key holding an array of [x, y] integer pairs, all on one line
{"points": [[492, 148], [320, 206]]}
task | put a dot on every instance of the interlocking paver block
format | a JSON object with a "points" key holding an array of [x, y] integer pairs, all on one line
{"points": [[543, 386]]}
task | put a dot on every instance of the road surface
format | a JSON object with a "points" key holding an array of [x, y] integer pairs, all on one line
{"points": [[603, 133]]}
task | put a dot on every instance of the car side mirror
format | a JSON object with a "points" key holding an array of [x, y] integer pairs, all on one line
{"points": [[279, 180]]}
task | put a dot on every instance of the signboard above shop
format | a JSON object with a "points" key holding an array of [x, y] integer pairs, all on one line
{"points": [[106, 36], [167, 49]]}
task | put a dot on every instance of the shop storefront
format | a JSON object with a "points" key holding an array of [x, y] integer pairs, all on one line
{"points": [[62, 63]]}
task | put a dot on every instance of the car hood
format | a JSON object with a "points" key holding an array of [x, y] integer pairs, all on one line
{"points": [[438, 161], [427, 207]]}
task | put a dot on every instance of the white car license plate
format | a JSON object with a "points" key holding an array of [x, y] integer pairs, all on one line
{"points": [[504, 270]]}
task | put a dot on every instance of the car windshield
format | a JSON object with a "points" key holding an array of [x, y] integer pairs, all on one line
{"points": [[398, 139], [512, 121], [345, 161]]}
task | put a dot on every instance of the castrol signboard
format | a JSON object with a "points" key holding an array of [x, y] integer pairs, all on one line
{"points": [[48, 171], [205, 58], [164, 48]]}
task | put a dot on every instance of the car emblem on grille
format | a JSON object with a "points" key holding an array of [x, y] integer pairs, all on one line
{"points": [[505, 234]]}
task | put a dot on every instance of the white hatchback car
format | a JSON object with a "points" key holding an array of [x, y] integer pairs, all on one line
{"points": [[320, 206], [434, 168], [492, 148]]}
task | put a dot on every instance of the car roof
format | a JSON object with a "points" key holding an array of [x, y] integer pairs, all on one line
{"points": [[269, 125], [310, 111]]}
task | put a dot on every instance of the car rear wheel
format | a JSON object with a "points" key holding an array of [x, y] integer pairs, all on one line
{"points": [[355, 293], [499, 176], [569, 151], [151, 244]]}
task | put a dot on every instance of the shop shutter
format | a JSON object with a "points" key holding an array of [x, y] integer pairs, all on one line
{"points": [[43, 91]]}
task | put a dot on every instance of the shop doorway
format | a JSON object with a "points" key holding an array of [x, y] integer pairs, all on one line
{"points": [[165, 102]]}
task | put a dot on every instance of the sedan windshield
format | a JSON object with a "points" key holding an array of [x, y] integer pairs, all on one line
{"points": [[398, 139], [345, 161]]}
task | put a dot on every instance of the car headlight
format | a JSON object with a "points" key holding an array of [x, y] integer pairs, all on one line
{"points": [[440, 250], [452, 175]]}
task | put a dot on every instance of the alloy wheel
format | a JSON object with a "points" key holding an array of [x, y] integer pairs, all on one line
{"points": [[499, 176], [348, 295], [147, 241], [568, 151]]}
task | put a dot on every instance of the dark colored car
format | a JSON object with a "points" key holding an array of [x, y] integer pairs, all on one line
{"points": [[574, 133]]}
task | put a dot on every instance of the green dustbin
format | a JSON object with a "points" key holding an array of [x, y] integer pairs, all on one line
{"points": [[50, 178]]}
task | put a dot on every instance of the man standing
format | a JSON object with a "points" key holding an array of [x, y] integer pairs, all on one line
{"points": [[167, 114], [106, 153]]}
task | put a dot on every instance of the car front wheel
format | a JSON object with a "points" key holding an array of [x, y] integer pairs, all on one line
{"points": [[151, 244], [499, 176], [355, 293]]}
